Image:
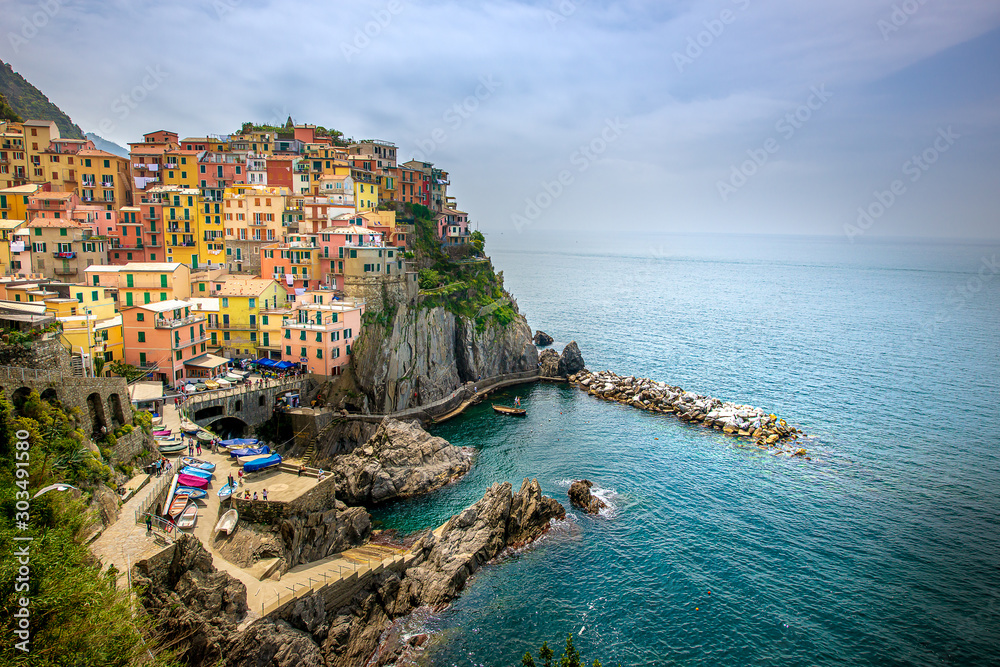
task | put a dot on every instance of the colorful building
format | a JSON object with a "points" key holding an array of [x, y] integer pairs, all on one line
{"points": [[161, 337], [320, 331], [239, 313]]}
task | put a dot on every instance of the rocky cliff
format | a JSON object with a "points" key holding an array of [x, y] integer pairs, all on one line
{"points": [[423, 354], [399, 461], [192, 603], [198, 608]]}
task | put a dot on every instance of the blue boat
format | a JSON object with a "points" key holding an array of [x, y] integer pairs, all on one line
{"points": [[249, 451], [197, 463], [191, 491], [239, 442], [198, 472], [261, 464], [226, 491]]}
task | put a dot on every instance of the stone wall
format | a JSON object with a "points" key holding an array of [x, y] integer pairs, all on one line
{"points": [[102, 402], [130, 446], [373, 289], [268, 513]]}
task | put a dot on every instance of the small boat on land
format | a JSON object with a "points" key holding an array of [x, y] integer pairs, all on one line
{"points": [[204, 436], [226, 491], [239, 443], [192, 480], [164, 432], [227, 522], [211, 384], [505, 410], [266, 462], [157, 421], [178, 504], [197, 463], [192, 492], [188, 516], [199, 472], [243, 460], [170, 447], [249, 451]]}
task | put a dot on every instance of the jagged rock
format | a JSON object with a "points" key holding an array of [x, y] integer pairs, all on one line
{"points": [[470, 539], [191, 601], [108, 504], [570, 361], [549, 360], [274, 644], [580, 496], [309, 537], [542, 338], [401, 460]]}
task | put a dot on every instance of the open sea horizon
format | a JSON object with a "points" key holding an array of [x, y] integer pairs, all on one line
{"points": [[883, 549]]}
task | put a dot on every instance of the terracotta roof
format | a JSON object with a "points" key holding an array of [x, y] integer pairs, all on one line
{"points": [[95, 152], [54, 222], [53, 195]]}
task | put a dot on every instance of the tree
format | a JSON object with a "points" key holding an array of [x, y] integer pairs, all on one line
{"points": [[527, 660], [570, 656], [99, 366], [127, 371], [478, 240], [545, 653], [289, 124]]}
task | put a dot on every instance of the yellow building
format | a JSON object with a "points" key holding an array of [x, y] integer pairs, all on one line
{"points": [[7, 229], [13, 160], [100, 178], [365, 191], [14, 201], [91, 325], [38, 134], [150, 282], [180, 167], [240, 305], [183, 226]]}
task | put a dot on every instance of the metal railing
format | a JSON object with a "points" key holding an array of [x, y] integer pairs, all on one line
{"points": [[212, 394], [161, 483]]}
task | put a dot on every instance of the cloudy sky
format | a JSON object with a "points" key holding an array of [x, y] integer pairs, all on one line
{"points": [[860, 118]]}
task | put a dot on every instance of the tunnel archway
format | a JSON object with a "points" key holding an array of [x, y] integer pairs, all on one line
{"points": [[115, 407], [230, 427], [51, 395], [95, 407], [209, 412], [19, 396]]}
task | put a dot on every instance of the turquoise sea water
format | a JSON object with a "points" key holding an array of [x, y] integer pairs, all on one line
{"points": [[883, 549]]}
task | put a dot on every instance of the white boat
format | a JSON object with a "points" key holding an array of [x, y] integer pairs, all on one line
{"points": [[253, 457], [227, 523], [188, 516]]}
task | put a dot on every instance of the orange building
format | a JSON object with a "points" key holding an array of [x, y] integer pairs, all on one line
{"points": [[320, 331], [164, 338]]}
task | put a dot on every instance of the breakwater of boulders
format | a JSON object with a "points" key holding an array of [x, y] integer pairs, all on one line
{"points": [[764, 430]]}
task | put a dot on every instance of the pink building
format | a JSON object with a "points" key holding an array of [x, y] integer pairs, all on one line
{"points": [[166, 338], [320, 331], [335, 245]]}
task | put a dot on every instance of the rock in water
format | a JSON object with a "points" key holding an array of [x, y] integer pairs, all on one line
{"points": [[549, 360], [580, 496], [401, 460], [542, 338], [571, 361]]}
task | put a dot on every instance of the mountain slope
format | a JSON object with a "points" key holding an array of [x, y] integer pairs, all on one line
{"points": [[103, 144], [29, 103]]}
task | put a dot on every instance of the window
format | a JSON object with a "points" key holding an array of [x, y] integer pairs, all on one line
{"points": [[253, 336], [128, 298], [142, 336], [139, 317], [319, 336], [163, 296], [288, 350], [303, 352], [93, 296], [142, 358], [319, 354], [263, 320], [225, 335], [253, 303], [178, 354], [302, 335], [145, 297], [201, 287], [163, 280], [129, 282], [288, 334], [225, 302]]}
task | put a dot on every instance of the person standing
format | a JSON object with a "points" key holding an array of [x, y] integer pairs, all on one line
{"points": [[199, 448], [190, 448], [264, 494], [149, 523]]}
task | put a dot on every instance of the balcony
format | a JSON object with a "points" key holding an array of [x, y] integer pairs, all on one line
{"points": [[181, 344], [149, 366], [235, 326], [171, 323], [65, 255], [292, 323], [65, 271], [170, 165], [107, 184]]}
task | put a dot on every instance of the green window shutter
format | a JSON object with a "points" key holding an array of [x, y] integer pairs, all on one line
{"points": [[129, 282], [163, 280], [79, 297], [142, 358], [128, 299], [142, 336], [201, 287], [288, 350], [93, 296], [163, 296], [145, 297]]}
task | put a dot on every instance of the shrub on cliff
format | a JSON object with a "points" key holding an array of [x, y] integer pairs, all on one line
{"points": [[569, 658]]}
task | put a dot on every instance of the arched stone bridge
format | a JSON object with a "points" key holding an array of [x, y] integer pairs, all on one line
{"points": [[252, 405]]}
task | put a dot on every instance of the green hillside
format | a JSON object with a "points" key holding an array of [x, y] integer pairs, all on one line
{"points": [[30, 104]]}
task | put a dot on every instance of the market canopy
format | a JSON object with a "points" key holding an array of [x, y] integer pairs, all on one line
{"points": [[207, 361], [282, 365], [266, 363]]}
